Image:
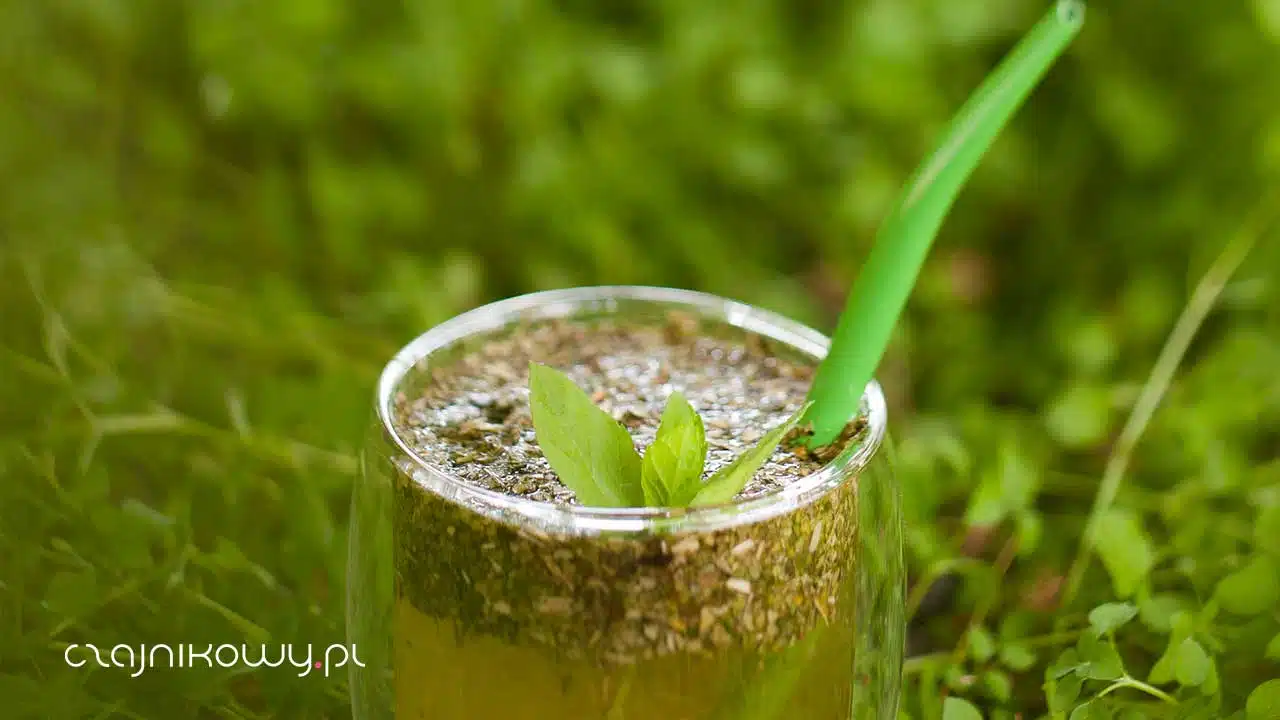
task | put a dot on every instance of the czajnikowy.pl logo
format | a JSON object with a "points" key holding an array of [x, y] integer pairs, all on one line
{"points": [[144, 657]]}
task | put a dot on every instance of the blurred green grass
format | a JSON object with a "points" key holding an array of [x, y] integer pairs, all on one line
{"points": [[219, 219]]}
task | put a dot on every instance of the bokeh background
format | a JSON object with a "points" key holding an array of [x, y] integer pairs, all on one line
{"points": [[218, 218]]}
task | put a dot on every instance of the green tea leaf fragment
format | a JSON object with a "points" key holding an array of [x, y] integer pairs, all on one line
{"points": [[729, 480], [590, 451], [671, 472]]}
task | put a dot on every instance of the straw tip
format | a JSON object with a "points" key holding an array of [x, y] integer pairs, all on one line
{"points": [[1071, 12]]}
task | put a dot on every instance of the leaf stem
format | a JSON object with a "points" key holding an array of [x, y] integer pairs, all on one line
{"points": [[616, 707], [1003, 561], [1129, 682], [919, 663]]}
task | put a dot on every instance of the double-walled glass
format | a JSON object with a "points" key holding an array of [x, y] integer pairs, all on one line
{"points": [[438, 643]]}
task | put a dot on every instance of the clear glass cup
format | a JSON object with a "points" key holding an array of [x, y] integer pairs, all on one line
{"points": [[432, 658]]}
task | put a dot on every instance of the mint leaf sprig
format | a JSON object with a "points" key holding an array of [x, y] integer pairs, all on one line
{"points": [[594, 456]]}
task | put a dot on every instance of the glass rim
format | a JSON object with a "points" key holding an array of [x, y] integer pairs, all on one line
{"points": [[567, 303]]}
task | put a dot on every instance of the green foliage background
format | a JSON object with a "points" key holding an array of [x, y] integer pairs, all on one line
{"points": [[219, 217]]}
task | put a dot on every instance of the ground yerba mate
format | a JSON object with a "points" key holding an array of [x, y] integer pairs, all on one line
{"points": [[614, 622]]}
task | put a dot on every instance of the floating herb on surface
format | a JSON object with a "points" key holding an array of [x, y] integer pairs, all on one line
{"points": [[590, 451], [730, 479], [594, 456], [671, 473]]}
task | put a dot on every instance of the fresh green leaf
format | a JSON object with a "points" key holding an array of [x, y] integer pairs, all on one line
{"points": [[953, 708], [981, 644], [1211, 685], [590, 451], [1080, 417], [1008, 488], [1107, 666], [998, 684], [1063, 681], [1181, 628], [1125, 550], [729, 480], [1106, 618], [986, 504], [1063, 692], [1264, 701], [1103, 662], [1162, 671], [1191, 663], [1252, 590], [1200, 707], [1065, 664], [1092, 710], [671, 471], [1016, 656], [958, 678], [1030, 529], [1157, 611]]}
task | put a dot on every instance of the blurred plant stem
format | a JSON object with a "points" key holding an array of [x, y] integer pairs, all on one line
{"points": [[1203, 299]]}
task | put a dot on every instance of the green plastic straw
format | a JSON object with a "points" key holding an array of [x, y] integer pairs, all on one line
{"points": [[880, 291]]}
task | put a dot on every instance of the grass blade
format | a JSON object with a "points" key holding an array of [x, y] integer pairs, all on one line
{"points": [[1203, 298]]}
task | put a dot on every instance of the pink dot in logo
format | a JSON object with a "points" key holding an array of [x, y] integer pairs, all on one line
{"points": [[317, 664]]}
